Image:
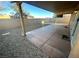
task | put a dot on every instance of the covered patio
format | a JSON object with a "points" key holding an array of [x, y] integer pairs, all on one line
{"points": [[47, 41]]}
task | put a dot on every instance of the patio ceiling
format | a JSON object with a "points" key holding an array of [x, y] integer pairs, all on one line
{"points": [[58, 7]]}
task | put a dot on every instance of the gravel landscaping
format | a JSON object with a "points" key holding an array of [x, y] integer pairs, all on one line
{"points": [[13, 45]]}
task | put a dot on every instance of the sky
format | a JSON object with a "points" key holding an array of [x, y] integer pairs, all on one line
{"points": [[5, 8]]}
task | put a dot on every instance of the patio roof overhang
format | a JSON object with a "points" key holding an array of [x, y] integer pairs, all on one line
{"points": [[58, 7]]}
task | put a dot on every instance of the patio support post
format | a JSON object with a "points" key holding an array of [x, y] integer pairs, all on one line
{"points": [[21, 17]]}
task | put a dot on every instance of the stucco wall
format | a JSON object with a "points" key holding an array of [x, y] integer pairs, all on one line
{"points": [[64, 20]]}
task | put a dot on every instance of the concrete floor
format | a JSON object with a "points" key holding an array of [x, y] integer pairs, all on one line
{"points": [[49, 40]]}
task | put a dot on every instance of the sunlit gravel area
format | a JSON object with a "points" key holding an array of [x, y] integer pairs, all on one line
{"points": [[13, 45]]}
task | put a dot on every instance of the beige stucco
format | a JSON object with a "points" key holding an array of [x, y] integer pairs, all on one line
{"points": [[63, 20]]}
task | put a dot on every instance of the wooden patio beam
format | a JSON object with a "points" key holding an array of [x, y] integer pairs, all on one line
{"points": [[19, 3]]}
